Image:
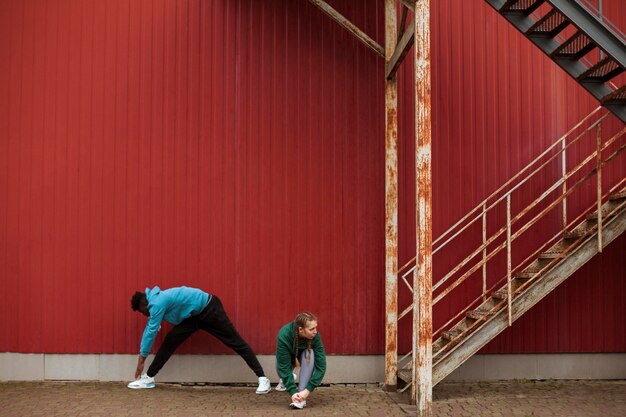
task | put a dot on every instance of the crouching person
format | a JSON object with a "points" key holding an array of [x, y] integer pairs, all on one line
{"points": [[299, 345]]}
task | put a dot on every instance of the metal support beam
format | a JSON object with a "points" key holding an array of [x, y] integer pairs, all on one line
{"points": [[391, 205], [401, 50], [422, 297], [404, 44], [410, 4], [403, 20], [349, 26]]}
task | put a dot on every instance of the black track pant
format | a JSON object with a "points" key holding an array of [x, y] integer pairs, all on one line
{"points": [[212, 319]]}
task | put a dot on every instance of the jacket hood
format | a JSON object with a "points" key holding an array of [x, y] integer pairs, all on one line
{"points": [[151, 293]]}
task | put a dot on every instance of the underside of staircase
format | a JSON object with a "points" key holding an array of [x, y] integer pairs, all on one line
{"points": [[577, 41], [528, 287]]}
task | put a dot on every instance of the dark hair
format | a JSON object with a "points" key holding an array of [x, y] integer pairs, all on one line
{"points": [[137, 300]]}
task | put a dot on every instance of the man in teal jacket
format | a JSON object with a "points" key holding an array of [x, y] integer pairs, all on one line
{"points": [[188, 309]]}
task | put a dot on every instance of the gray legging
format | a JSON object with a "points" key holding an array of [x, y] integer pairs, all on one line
{"points": [[306, 369]]}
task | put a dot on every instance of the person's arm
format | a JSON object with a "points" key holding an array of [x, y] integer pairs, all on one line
{"points": [[151, 330], [149, 334], [320, 363], [284, 365], [140, 364]]}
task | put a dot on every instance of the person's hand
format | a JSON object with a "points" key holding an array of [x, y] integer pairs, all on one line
{"points": [[140, 363], [300, 396], [304, 394]]}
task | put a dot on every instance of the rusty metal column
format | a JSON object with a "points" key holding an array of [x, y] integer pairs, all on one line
{"points": [[422, 389], [599, 183], [391, 204]]}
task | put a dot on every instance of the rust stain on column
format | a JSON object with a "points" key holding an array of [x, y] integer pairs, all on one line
{"points": [[422, 325], [391, 204]]}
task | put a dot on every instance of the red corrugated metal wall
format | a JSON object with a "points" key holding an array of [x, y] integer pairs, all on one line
{"points": [[228, 145], [238, 146]]}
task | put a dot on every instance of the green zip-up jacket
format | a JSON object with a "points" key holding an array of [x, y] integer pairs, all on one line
{"points": [[286, 357]]}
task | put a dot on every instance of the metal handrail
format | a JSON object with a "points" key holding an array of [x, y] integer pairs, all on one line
{"points": [[523, 212], [526, 226], [496, 192], [602, 19], [526, 261]]}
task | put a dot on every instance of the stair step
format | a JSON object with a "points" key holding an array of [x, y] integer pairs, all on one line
{"points": [[550, 25], [594, 215], [579, 232], [524, 275], [500, 294], [575, 47], [405, 374], [450, 334], [552, 254], [521, 6], [618, 96], [604, 70], [477, 314], [618, 196]]}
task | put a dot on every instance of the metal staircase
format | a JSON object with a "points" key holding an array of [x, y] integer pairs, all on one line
{"points": [[503, 299], [577, 41], [527, 288]]}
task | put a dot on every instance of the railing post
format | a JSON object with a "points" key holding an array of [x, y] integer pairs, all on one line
{"points": [[484, 251], [599, 182], [564, 176], [391, 205], [508, 254]]}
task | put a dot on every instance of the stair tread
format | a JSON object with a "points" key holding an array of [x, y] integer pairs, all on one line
{"points": [[618, 96], [477, 314], [602, 71], [580, 232], [605, 213], [525, 274], [500, 294], [549, 25], [405, 374], [577, 46], [550, 254], [450, 334], [521, 6], [618, 196]]}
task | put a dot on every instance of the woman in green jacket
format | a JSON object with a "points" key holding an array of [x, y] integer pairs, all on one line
{"points": [[299, 343]]}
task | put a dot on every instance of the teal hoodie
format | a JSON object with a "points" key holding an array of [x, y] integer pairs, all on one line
{"points": [[172, 305]]}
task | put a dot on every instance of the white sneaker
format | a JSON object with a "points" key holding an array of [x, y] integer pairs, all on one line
{"points": [[281, 386], [298, 405], [264, 385], [144, 382]]}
